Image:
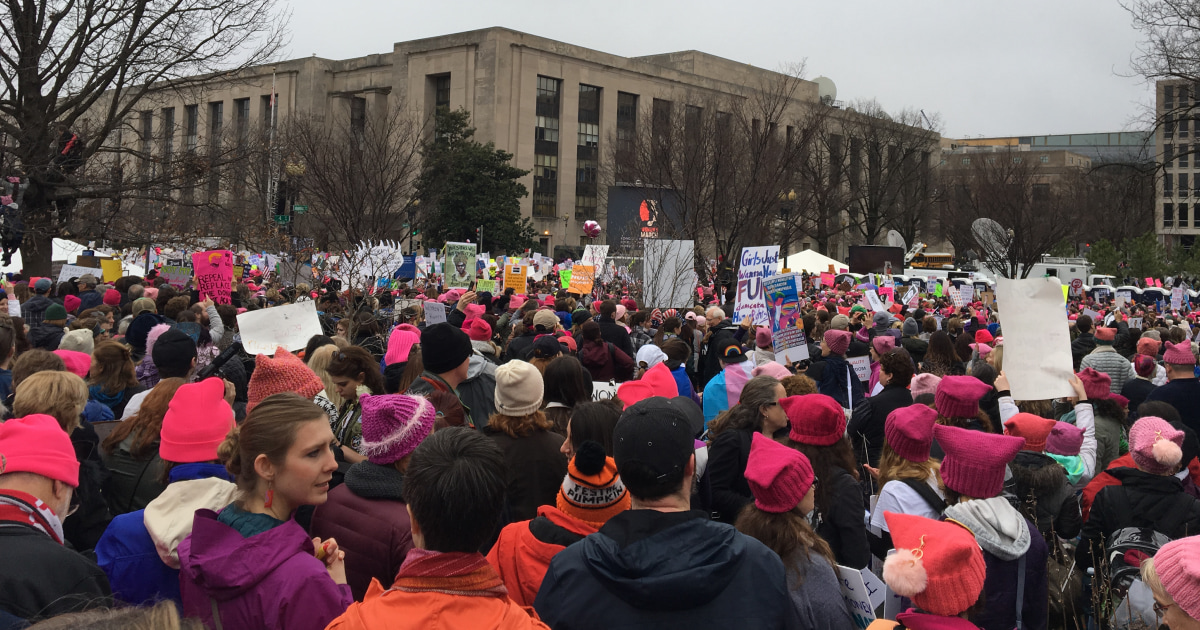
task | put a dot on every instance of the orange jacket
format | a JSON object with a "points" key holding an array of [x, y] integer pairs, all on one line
{"points": [[430, 610], [521, 558]]}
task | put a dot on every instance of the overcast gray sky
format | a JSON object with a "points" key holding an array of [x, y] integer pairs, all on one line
{"points": [[991, 68]]}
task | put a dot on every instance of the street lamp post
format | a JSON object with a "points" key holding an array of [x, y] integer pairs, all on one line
{"points": [[412, 223], [786, 202]]}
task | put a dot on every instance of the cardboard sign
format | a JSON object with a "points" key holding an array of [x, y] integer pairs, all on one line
{"points": [[862, 366], [756, 264], [514, 276], [668, 273], [1177, 298], [582, 279], [73, 271], [214, 274], [14, 307], [1092, 314], [460, 265], [111, 268], [1037, 338], [435, 313], [782, 295], [289, 326], [856, 596]]}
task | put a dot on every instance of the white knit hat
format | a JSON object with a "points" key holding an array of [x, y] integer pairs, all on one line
{"points": [[519, 389]]}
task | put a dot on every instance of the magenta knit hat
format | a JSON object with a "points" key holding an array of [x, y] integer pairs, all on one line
{"points": [[1148, 346], [112, 297], [1177, 564], [37, 444], [1105, 334], [400, 344], [196, 422], [924, 383], [815, 419], [762, 337], [70, 302], [909, 432], [975, 461], [883, 344], [1065, 439], [958, 396], [837, 340], [1096, 384], [478, 330], [778, 476], [393, 425], [1179, 354], [1144, 365], [1155, 445]]}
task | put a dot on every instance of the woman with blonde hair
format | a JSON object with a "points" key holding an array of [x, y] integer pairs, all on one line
{"points": [[320, 359], [1173, 575], [908, 477], [111, 380]]}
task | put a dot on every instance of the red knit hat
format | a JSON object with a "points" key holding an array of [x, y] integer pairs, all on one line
{"points": [[909, 432], [816, 419], [937, 564], [1105, 334], [1096, 384], [1155, 445], [478, 329], [283, 373], [983, 336], [112, 297], [958, 396], [1179, 354], [1148, 346], [592, 490], [975, 461], [1065, 439], [196, 422], [37, 444], [657, 381], [778, 476], [1035, 430], [1177, 564], [837, 340]]}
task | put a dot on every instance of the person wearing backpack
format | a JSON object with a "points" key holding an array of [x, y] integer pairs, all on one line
{"points": [[1149, 496], [908, 476]]}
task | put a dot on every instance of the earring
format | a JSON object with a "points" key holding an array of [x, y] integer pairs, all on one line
{"points": [[270, 496]]}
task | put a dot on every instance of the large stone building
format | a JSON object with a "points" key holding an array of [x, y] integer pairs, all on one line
{"points": [[1178, 199], [1135, 147]]}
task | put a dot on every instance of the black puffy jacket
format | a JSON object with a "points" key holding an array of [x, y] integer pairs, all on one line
{"points": [[1041, 492], [1155, 501]]}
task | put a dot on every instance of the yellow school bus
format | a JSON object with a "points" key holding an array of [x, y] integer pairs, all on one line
{"points": [[932, 261]]}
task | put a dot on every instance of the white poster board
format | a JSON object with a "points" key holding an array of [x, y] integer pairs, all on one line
{"points": [[856, 596], [1037, 338], [14, 307], [757, 263], [862, 367], [1092, 314], [1135, 322], [910, 297], [289, 326], [1176, 298], [435, 313], [874, 303], [669, 273], [603, 390], [77, 271]]}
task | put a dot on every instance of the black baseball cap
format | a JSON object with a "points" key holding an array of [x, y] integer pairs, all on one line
{"points": [[655, 432], [730, 351]]}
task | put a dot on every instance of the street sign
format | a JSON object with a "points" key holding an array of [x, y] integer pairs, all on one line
{"points": [[299, 209], [282, 219]]}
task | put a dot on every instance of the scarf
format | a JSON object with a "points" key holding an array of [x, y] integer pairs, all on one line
{"points": [[1073, 464], [28, 510], [452, 573]]}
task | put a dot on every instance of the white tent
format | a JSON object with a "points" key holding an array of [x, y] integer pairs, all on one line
{"points": [[67, 251], [813, 262]]}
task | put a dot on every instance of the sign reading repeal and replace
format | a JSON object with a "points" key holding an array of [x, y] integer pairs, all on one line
{"points": [[214, 275], [756, 264]]}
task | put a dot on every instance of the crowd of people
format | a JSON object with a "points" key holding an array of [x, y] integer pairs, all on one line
{"points": [[564, 461]]}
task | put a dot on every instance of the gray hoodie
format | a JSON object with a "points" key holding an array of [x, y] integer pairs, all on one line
{"points": [[998, 527]]}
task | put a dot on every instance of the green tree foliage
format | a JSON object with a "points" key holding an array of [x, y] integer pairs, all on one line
{"points": [[1145, 256], [466, 184], [1106, 257]]}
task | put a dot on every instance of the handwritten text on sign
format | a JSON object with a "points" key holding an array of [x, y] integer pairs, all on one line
{"points": [[756, 264], [289, 326], [214, 274]]}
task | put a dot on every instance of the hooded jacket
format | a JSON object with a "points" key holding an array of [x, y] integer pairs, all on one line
{"points": [[1040, 483], [1081, 346], [369, 518], [45, 336], [269, 580], [1005, 535], [33, 311], [605, 361], [650, 569], [524, 550], [1154, 501], [139, 550]]}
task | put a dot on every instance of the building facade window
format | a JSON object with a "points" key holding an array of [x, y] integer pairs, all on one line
{"points": [[168, 134], [1183, 184], [441, 92], [1183, 156], [587, 152], [1169, 96], [1182, 211], [358, 116], [266, 106], [1045, 159], [146, 134], [627, 109], [241, 120], [966, 161], [545, 172], [216, 127], [1168, 215], [192, 127]]}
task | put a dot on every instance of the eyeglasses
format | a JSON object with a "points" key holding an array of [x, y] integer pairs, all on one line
{"points": [[1161, 609]]}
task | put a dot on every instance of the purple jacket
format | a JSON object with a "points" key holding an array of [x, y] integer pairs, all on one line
{"points": [[270, 580]]}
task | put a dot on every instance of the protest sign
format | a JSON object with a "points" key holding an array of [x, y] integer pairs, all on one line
{"points": [[111, 268], [782, 295], [214, 274], [1093, 314], [888, 294], [1135, 322], [14, 307], [514, 276], [756, 264], [669, 273], [289, 326], [594, 255], [460, 259], [74, 271], [1177, 298], [564, 278], [862, 367], [911, 296], [1037, 339], [435, 313], [176, 275], [856, 596], [603, 390], [485, 285], [582, 279], [827, 279], [874, 302]]}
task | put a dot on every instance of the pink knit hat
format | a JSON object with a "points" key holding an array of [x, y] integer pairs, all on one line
{"points": [[284, 372], [1155, 445], [863, 335], [1096, 384], [657, 381], [1065, 439], [762, 337], [1179, 354], [473, 311], [771, 368], [778, 476], [393, 425], [1148, 346], [37, 444], [924, 383], [150, 292], [112, 297], [400, 344], [71, 302], [1144, 365], [975, 461], [883, 344], [815, 419], [77, 363], [909, 432], [196, 422], [837, 340], [1035, 430], [958, 396], [1105, 334], [478, 329], [937, 564], [1177, 564]]}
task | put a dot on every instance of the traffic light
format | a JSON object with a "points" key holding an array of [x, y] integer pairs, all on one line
{"points": [[479, 234]]}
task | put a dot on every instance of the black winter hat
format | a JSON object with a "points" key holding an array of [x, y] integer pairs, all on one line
{"points": [[139, 330], [173, 353], [444, 347]]}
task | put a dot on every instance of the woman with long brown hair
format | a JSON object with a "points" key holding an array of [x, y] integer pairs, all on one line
{"points": [[941, 359], [131, 452], [111, 381], [818, 430], [729, 434], [354, 371]]}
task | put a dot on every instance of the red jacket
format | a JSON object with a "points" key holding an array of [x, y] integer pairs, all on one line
{"points": [[521, 557], [1104, 479]]}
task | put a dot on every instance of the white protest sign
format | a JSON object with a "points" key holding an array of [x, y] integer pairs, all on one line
{"points": [[14, 307], [1037, 338], [874, 302], [669, 273], [856, 596], [289, 326], [435, 313], [757, 263], [910, 297], [959, 299], [594, 255], [1177, 298], [1121, 299], [875, 588], [75, 271], [862, 367], [1135, 322], [1092, 314], [603, 390]]}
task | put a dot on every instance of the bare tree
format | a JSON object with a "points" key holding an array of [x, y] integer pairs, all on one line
{"points": [[822, 192], [68, 68]]}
